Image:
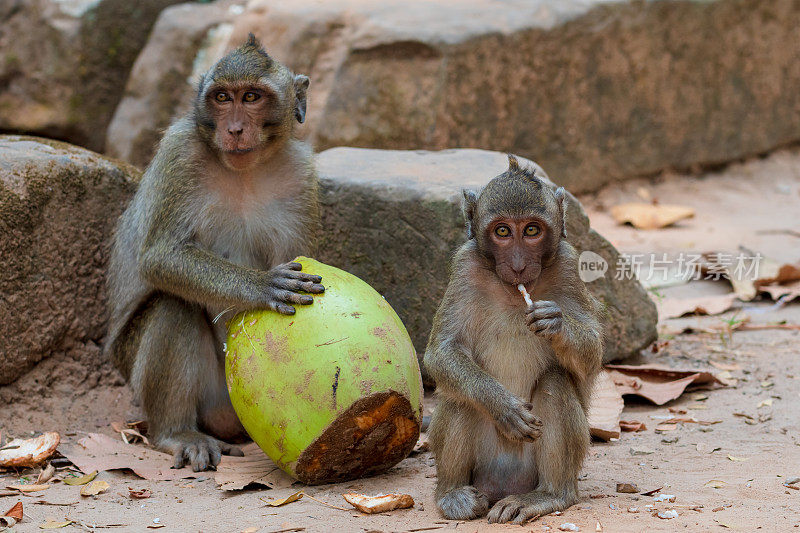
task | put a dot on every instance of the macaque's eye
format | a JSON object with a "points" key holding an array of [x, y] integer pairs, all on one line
{"points": [[251, 96], [532, 230], [221, 97], [502, 230]]}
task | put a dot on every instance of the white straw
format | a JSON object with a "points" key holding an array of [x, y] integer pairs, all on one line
{"points": [[525, 294]]}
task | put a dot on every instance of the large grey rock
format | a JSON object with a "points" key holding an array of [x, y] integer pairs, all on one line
{"points": [[393, 218], [595, 90], [58, 207], [63, 63]]}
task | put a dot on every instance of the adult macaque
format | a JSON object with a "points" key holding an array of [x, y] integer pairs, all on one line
{"points": [[228, 199], [510, 430]]}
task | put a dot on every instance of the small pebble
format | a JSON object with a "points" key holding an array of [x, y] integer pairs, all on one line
{"points": [[667, 515], [568, 526]]}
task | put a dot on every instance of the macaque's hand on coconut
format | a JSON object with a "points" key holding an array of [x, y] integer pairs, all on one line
{"points": [[286, 286]]}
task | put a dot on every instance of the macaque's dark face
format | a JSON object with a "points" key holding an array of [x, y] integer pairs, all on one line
{"points": [[517, 246], [246, 117]]}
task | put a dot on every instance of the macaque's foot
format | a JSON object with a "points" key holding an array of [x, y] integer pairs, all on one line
{"points": [[517, 421], [519, 508], [201, 451], [544, 318], [463, 503]]}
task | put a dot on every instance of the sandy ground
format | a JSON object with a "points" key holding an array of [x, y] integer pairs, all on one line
{"points": [[753, 457]]}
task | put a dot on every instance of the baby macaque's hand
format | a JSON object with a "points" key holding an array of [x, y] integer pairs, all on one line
{"points": [[517, 422], [544, 318]]}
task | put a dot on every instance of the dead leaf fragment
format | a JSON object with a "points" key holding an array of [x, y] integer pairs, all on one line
{"points": [[714, 304], [82, 480], [15, 512], [727, 379], [26, 453], [657, 383], [725, 366], [139, 494], [283, 501], [627, 488], [738, 459], [632, 425], [29, 488], [94, 488], [380, 503], [52, 523], [765, 403], [649, 216], [662, 428], [46, 474]]}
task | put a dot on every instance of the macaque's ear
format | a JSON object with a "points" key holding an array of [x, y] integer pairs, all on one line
{"points": [[300, 87], [468, 208], [561, 200], [513, 163]]}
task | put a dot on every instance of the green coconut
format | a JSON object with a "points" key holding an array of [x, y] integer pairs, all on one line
{"points": [[332, 392]]}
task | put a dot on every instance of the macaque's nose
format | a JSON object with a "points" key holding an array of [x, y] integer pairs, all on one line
{"points": [[517, 264], [235, 130]]}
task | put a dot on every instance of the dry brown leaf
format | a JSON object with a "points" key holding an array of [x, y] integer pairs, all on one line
{"points": [[25, 453], [664, 427], [738, 459], [52, 523], [46, 474], [82, 480], [649, 216], [101, 452], [380, 503], [283, 501], [702, 305], [29, 488], [787, 292], [605, 407], [235, 473], [627, 488], [725, 366], [749, 275], [765, 403], [727, 379], [657, 383], [94, 488], [15, 512], [139, 494], [632, 425], [715, 483]]}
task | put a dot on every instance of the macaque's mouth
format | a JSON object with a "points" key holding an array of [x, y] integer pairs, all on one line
{"points": [[239, 151]]}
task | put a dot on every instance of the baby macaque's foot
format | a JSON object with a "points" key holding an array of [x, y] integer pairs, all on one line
{"points": [[463, 503]]}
